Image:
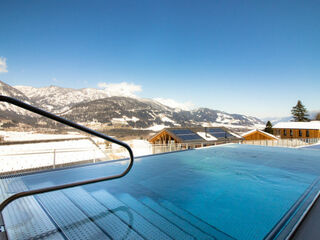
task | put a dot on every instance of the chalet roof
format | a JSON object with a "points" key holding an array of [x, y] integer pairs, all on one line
{"points": [[260, 131], [200, 134], [298, 125]]}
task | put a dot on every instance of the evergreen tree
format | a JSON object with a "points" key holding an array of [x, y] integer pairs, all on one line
{"points": [[268, 128], [318, 116], [299, 113]]}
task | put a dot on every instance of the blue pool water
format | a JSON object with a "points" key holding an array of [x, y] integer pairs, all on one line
{"points": [[313, 147], [223, 192]]}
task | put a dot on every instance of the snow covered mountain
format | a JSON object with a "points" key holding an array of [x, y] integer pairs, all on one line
{"points": [[9, 111], [137, 113], [59, 99], [97, 108]]}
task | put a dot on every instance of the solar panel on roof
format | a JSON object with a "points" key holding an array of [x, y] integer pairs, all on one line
{"points": [[218, 135], [181, 131], [215, 130], [190, 137], [186, 134], [221, 134]]}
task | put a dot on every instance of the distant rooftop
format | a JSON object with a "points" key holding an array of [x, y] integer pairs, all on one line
{"points": [[298, 125], [260, 131], [195, 135]]}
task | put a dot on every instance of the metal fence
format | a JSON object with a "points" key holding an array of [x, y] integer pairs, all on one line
{"points": [[296, 142], [27, 161]]}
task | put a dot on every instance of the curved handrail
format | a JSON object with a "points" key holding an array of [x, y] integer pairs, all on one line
{"points": [[71, 124]]}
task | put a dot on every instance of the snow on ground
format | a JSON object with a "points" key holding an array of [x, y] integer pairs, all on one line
{"points": [[224, 118], [133, 119], [29, 136], [27, 156], [17, 157], [119, 121], [164, 118], [139, 148], [157, 127]]}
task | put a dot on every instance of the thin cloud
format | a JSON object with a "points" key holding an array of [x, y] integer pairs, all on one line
{"points": [[3, 65], [120, 89]]}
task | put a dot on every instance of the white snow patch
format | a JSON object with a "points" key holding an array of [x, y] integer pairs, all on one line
{"points": [[157, 127], [223, 118], [29, 136], [139, 148], [133, 119], [164, 118], [118, 121], [207, 136]]}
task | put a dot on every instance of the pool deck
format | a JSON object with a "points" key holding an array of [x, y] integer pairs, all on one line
{"points": [[309, 227]]}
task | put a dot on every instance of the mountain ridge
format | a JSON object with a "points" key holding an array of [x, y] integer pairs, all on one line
{"points": [[98, 108]]}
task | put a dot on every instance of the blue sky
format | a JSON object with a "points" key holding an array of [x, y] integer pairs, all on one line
{"points": [[251, 57]]}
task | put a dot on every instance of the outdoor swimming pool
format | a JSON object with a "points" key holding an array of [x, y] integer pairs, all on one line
{"points": [[224, 192], [313, 147]]}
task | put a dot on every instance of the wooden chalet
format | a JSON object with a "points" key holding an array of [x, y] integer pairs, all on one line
{"points": [[258, 135], [196, 137], [297, 129]]}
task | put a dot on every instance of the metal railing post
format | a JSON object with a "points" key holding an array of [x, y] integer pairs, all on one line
{"points": [[64, 121], [54, 158]]}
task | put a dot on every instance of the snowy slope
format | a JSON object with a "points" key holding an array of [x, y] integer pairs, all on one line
{"points": [[55, 98], [97, 108], [10, 110]]}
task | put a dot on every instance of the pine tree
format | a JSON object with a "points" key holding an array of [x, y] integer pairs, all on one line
{"points": [[268, 128], [299, 113], [318, 116]]}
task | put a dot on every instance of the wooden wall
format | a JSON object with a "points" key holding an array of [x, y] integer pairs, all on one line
{"points": [[313, 133], [258, 136]]}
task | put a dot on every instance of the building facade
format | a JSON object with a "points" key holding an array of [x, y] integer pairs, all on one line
{"points": [[258, 135], [286, 130]]}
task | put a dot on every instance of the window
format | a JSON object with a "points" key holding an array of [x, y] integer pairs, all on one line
{"points": [[300, 133], [307, 133], [284, 132], [291, 133]]}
